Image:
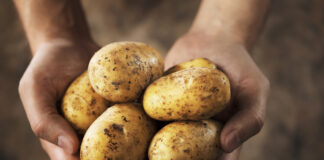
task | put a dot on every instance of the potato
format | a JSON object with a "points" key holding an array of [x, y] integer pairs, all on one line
{"points": [[122, 132], [191, 94], [81, 105], [198, 62], [120, 71], [187, 140]]}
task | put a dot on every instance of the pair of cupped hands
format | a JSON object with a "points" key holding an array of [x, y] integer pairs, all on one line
{"points": [[57, 62]]}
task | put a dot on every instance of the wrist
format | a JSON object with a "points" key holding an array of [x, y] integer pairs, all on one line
{"points": [[62, 37], [219, 35], [196, 44], [87, 46]]}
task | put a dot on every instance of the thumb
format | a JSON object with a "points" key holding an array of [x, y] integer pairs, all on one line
{"points": [[248, 121], [239, 128], [39, 102], [56, 153]]}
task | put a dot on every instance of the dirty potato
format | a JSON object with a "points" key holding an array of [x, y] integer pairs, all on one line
{"points": [[198, 62], [120, 71], [81, 105], [190, 94], [123, 131], [187, 140]]}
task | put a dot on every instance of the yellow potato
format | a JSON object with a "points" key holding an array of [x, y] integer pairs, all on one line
{"points": [[187, 140], [198, 62], [190, 94], [120, 71], [122, 132], [81, 105]]}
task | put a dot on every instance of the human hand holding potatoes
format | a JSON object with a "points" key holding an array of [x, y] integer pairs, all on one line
{"points": [[196, 90], [119, 127], [249, 87], [54, 66]]}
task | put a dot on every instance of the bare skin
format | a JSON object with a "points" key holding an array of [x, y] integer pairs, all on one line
{"points": [[223, 31], [249, 86], [62, 47]]}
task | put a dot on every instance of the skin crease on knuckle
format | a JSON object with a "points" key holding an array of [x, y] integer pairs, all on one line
{"points": [[24, 84], [259, 122], [26, 81], [56, 153], [39, 128], [21, 86]]}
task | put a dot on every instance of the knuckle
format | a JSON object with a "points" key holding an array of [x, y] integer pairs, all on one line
{"points": [[265, 83], [249, 84], [259, 122], [21, 85], [259, 85], [26, 81], [39, 128]]}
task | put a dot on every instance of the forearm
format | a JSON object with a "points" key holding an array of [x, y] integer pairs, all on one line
{"points": [[44, 20], [238, 20]]}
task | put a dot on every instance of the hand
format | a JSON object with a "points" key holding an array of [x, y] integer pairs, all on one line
{"points": [[245, 115], [57, 153], [56, 63]]}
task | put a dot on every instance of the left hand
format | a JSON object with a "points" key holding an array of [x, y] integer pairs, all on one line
{"points": [[245, 116]]}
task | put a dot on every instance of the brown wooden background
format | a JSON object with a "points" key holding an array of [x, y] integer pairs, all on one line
{"points": [[290, 52]]}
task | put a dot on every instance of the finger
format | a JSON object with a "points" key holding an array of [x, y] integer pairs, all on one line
{"points": [[249, 119], [57, 153], [39, 101], [231, 156], [243, 125]]}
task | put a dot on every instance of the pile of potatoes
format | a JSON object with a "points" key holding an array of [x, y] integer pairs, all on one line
{"points": [[126, 107]]}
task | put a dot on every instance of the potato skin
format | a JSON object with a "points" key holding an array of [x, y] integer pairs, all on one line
{"points": [[122, 132], [196, 140], [81, 105], [191, 94], [120, 71], [198, 62]]}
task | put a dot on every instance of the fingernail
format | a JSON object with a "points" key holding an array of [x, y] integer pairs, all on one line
{"points": [[233, 141], [64, 143]]}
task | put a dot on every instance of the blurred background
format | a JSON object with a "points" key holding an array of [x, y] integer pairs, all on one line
{"points": [[290, 52]]}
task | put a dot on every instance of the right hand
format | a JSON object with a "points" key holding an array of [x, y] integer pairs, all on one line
{"points": [[244, 117], [57, 153], [55, 65]]}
